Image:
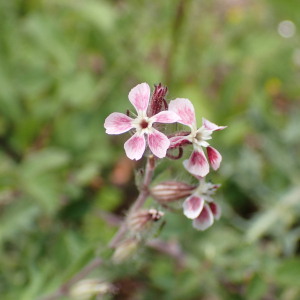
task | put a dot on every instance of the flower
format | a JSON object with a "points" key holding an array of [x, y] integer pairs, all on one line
{"points": [[197, 163], [200, 206], [117, 123]]}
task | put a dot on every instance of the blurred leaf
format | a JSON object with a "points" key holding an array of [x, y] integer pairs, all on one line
{"points": [[257, 288], [109, 198], [17, 218], [289, 273], [44, 161], [99, 13]]}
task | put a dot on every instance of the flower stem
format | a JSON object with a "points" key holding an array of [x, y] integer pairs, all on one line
{"points": [[150, 167]]}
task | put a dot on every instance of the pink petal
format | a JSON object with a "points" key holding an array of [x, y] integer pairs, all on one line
{"points": [[215, 209], [117, 123], [192, 206], [211, 126], [139, 96], [205, 219], [135, 146], [158, 143], [178, 140], [214, 157], [185, 110], [197, 163], [165, 117]]}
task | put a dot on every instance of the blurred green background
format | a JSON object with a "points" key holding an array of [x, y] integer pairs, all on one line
{"points": [[65, 65]]}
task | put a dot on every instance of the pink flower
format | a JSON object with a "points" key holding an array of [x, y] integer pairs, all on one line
{"points": [[117, 123], [200, 206], [197, 163]]}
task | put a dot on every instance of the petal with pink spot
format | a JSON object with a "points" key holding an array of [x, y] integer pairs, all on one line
{"points": [[204, 220], [139, 96], [165, 117], [192, 206], [135, 146], [158, 143], [211, 126], [197, 163], [215, 209], [117, 123], [185, 110], [214, 157]]}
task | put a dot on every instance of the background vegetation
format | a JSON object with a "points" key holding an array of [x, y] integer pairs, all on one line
{"points": [[65, 65]]}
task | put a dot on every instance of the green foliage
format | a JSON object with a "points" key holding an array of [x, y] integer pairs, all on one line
{"points": [[66, 65]]}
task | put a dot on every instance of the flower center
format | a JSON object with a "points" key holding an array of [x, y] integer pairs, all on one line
{"points": [[198, 136], [144, 124]]}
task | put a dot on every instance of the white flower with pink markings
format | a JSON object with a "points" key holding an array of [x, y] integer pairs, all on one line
{"points": [[117, 123], [197, 163], [200, 206]]}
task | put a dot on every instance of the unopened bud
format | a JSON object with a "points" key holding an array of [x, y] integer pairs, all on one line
{"points": [[169, 191], [125, 250], [86, 289], [157, 101], [142, 219]]}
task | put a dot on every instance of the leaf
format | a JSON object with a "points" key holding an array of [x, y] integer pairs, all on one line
{"points": [[262, 224], [289, 273], [256, 289], [44, 161], [99, 13], [17, 218]]}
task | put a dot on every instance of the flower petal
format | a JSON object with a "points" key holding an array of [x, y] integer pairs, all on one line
{"points": [[214, 157], [192, 206], [208, 198], [215, 209], [178, 140], [205, 219], [165, 117], [158, 143], [211, 126], [139, 96], [197, 163], [117, 123], [185, 110], [135, 146]]}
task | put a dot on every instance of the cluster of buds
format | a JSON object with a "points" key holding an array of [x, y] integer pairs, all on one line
{"points": [[154, 110]]}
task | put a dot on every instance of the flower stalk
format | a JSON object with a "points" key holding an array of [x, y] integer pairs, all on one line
{"points": [[144, 193]]}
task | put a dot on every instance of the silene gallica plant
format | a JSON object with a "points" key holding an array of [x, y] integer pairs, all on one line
{"points": [[146, 126]]}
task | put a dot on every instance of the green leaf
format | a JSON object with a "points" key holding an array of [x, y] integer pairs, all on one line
{"points": [[289, 273], [256, 289]]}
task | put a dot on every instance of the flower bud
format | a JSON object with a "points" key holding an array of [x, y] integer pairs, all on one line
{"points": [[157, 101], [125, 250], [169, 191], [142, 219], [88, 288]]}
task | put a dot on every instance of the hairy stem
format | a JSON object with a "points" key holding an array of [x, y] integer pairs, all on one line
{"points": [[150, 166], [64, 289]]}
